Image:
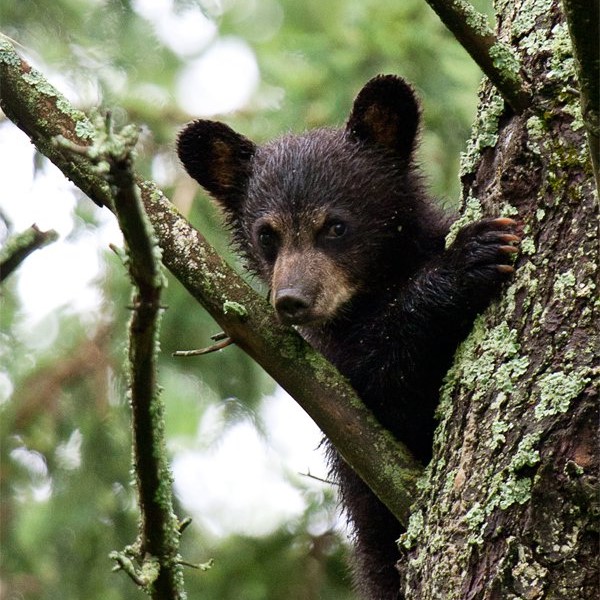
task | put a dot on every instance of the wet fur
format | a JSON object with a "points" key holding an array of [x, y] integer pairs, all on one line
{"points": [[389, 304]]}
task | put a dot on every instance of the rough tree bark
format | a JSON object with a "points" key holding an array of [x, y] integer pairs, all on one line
{"points": [[508, 506]]}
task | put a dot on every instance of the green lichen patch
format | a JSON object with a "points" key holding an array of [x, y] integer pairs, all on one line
{"points": [[514, 490], [472, 212], [570, 288], [84, 129], [506, 61], [564, 283], [476, 21], [528, 246], [234, 308], [506, 488], [526, 454], [414, 531], [498, 437], [481, 354], [510, 371], [36, 80], [525, 20], [537, 130], [557, 390], [475, 520], [485, 132], [562, 62], [8, 56]]}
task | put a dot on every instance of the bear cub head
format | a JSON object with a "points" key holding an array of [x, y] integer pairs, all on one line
{"points": [[328, 217]]}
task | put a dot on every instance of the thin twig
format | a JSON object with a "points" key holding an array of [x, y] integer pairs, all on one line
{"points": [[201, 351], [218, 336], [184, 524], [201, 566], [321, 479], [494, 58], [20, 246], [124, 563], [159, 540]]}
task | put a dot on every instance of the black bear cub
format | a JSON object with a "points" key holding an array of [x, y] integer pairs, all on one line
{"points": [[338, 224]]}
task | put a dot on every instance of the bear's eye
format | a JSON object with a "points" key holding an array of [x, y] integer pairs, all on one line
{"points": [[267, 239], [335, 229]]}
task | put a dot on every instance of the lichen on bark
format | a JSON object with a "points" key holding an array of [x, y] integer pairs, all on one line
{"points": [[508, 505]]}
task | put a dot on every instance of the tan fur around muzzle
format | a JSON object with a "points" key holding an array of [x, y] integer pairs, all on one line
{"points": [[316, 277]]}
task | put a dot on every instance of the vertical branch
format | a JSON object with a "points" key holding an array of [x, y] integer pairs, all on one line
{"points": [[583, 18], [87, 155], [161, 571], [494, 58]]}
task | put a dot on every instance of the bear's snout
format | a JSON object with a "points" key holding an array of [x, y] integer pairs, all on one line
{"points": [[293, 306]]}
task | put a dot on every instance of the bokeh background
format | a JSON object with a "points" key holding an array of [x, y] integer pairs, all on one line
{"points": [[243, 454]]}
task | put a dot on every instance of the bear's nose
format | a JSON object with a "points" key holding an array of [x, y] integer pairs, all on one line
{"points": [[292, 305]]}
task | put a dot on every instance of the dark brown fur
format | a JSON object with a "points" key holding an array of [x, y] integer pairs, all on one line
{"points": [[338, 223]]}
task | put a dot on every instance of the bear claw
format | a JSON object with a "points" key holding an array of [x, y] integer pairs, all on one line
{"points": [[505, 269], [505, 222], [509, 238]]}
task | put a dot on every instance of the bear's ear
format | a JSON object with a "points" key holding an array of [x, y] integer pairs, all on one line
{"points": [[218, 158], [386, 113]]}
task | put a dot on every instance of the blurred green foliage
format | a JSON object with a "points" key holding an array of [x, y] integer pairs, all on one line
{"points": [[67, 498]]}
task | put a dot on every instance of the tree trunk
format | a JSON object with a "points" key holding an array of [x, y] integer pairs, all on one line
{"points": [[508, 506]]}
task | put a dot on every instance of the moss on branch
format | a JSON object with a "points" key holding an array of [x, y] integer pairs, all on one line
{"points": [[494, 58]]}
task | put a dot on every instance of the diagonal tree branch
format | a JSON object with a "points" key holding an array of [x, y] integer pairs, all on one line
{"points": [[494, 58], [40, 111]]}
